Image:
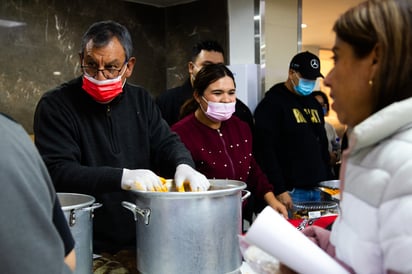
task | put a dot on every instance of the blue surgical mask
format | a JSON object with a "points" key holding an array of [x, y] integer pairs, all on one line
{"points": [[304, 86]]}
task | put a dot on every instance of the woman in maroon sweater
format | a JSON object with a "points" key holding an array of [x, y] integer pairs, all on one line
{"points": [[221, 144]]}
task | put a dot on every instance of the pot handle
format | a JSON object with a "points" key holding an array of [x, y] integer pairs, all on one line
{"points": [[92, 207], [72, 216], [145, 213], [247, 194]]}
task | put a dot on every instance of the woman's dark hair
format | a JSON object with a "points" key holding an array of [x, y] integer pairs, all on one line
{"points": [[207, 75]]}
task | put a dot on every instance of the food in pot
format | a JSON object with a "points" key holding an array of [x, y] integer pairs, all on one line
{"points": [[164, 188], [167, 186], [330, 191], [185, 187]]}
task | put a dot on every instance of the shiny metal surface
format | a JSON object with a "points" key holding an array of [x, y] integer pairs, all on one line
{"points": [[78, 210], [332, 184], [190, 232]]}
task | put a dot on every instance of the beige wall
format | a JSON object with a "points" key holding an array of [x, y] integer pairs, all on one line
{"points": [[281, 39], [241, 32]]}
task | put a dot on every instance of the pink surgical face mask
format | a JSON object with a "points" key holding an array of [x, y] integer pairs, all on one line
{"points": [[103, 91], [219, 112]]}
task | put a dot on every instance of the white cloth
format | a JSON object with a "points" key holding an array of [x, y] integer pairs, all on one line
{"points": [[374, 230]]}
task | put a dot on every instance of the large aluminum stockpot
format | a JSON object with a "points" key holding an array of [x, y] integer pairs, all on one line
{"points": [[189, 232], [78, 210]]}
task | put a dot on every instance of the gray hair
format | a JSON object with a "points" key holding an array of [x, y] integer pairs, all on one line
{"points": [[102, 32]]}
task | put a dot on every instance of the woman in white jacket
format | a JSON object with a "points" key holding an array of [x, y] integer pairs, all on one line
{"points": [[371, 84]]}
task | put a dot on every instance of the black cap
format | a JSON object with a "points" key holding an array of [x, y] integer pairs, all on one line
{"points": [[307, 64]]}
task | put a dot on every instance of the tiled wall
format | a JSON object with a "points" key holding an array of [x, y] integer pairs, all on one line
{"points": [[43, 52]]}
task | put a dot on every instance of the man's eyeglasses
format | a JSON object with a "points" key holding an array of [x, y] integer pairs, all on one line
{"points": [[108, 73]]}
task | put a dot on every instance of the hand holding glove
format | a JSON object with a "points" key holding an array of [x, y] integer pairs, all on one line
{"points": [[185, 174], [141, 179]]}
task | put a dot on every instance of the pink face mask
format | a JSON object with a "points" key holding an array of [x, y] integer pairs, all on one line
{"points": [[219, 112], [102, 91]]}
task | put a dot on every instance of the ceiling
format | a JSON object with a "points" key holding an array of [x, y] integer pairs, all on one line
{"points": [[318, 15]]}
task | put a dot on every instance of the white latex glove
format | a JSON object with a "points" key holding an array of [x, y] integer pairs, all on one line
{"points": [[186, 174], [140, 179]]}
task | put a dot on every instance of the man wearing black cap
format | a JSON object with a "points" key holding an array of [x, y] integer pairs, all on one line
{"points": [[290, 143]]}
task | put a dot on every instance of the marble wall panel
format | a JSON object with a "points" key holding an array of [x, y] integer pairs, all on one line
{"points": [[42, 52], [200, 20]]}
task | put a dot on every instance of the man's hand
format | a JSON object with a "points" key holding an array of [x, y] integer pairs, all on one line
{"points": [[185, 174], [141, 179]]}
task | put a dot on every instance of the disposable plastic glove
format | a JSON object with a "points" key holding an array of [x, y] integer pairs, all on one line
{"points": [[185, 174], [141, 179]]}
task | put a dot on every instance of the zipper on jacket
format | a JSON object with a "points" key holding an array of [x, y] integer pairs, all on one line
{"points": [[227, 153], [108, 111], [112, 138]]}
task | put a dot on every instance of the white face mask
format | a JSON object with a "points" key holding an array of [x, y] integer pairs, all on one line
{"points": [[219, 112]]}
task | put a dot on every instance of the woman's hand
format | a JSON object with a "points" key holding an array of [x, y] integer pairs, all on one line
{"points": [[276, 204], [285, 199]]}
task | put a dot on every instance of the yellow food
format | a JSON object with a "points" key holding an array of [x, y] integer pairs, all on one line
{"points": [[167, 185], [330, 191], [163, 188], [138, 186], [184, 187]]}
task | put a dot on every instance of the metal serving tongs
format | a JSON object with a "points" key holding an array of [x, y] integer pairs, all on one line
{"points": [[305, 222], [302, 224]]}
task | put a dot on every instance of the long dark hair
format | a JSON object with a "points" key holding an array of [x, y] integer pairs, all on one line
{"points": [[207, 75]]}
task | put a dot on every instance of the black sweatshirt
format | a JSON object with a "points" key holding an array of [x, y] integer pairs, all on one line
{"points": [[290, 140], [85, 146]]}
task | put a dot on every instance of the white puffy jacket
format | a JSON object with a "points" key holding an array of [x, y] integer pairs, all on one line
{"points": [[374, 231]]}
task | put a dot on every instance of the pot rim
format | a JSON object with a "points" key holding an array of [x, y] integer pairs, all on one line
{"points": [[224, 187], [77, 200], [332, 184]]}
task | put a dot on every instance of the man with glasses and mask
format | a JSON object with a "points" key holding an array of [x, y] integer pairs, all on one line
{"points": [[100, 135], [291, 144]]}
